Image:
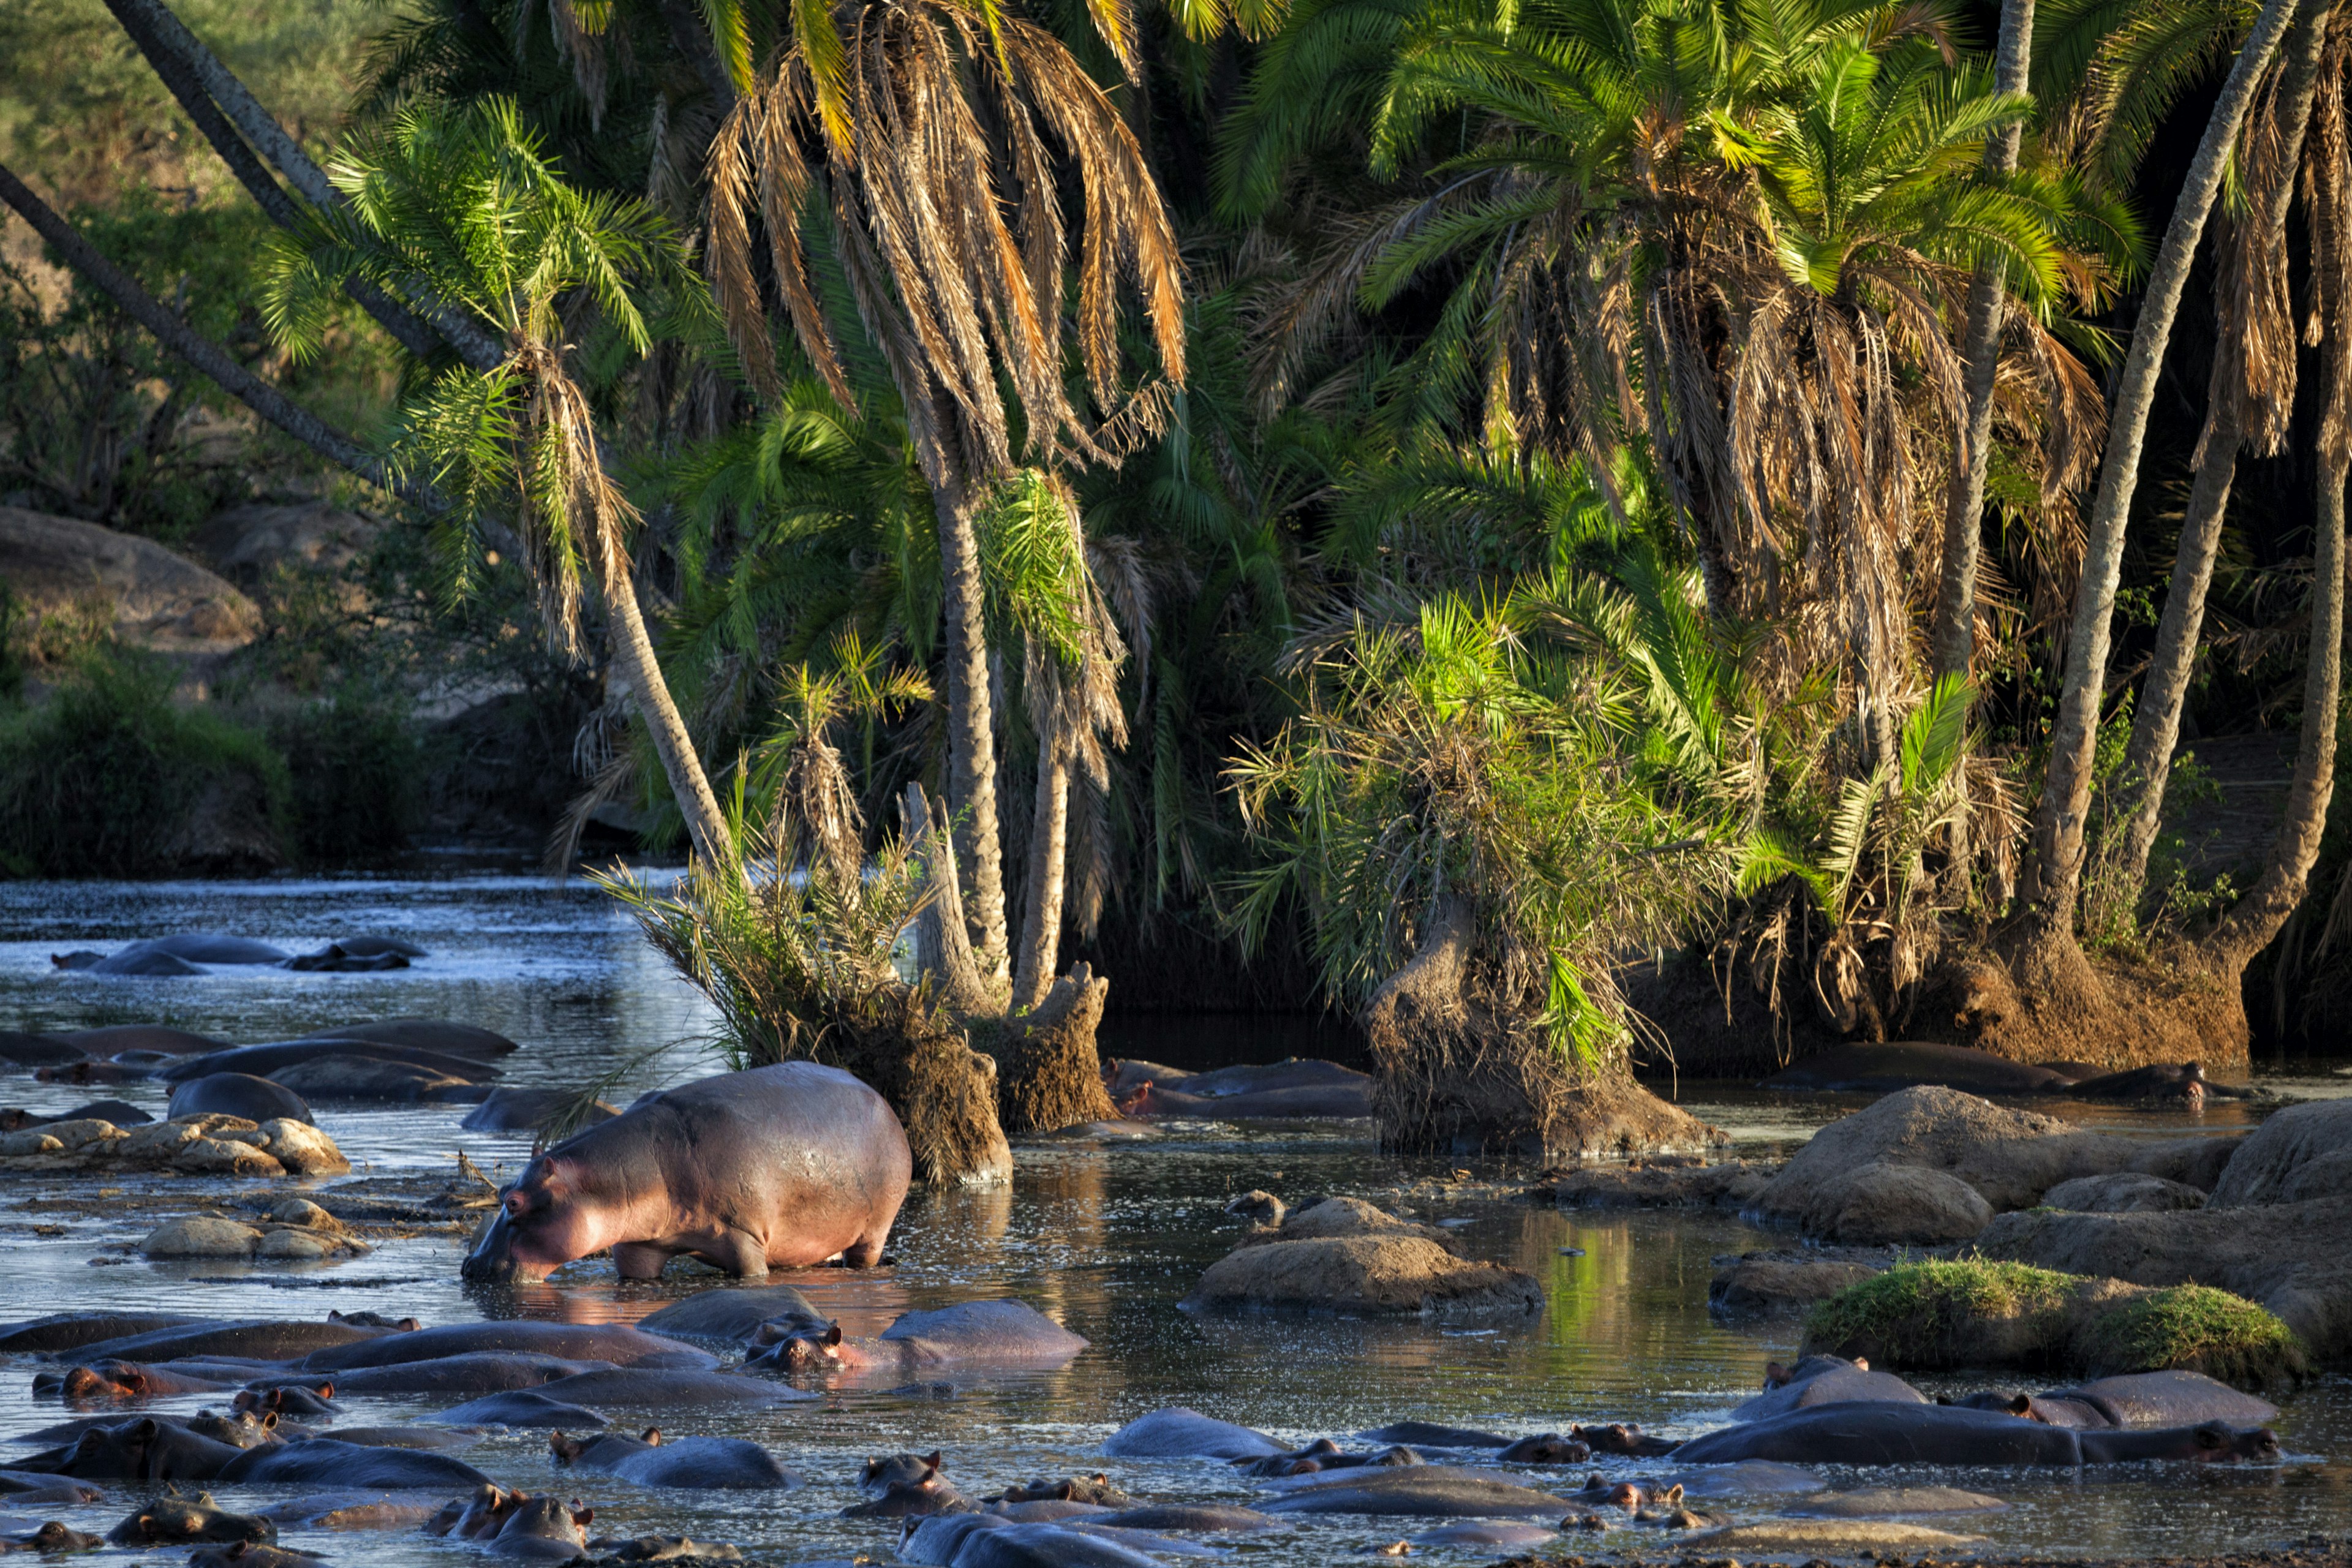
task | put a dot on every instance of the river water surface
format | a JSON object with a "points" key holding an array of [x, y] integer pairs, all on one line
{"points": [[1105, 1239]]}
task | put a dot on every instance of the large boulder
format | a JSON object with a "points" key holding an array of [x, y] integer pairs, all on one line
{"points": [[153, 597], [2295, 1258], [2127, 1192], [1762, 1284], [1343, 1255], [250, 543], [1850, 1183], [2304, 1152]]}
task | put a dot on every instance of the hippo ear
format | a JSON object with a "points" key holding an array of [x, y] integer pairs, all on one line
{"points": [[1861, 1363], [269, 1421], [408, 1325], [146, 1429], [934, 1461], [326, 1391], [832, 1333], [872, 1465], [651, 1435], [2212, 1436], [1673, 1494]]}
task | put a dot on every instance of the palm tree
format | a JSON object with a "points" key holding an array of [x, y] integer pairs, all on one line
{"points": [[464, 207], [2053, 961], [902, 133]]}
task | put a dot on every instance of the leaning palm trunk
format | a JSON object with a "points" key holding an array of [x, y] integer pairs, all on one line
{"points": [[972, 727], [2053, 959], [2249, 928], [1954, 639], [2253, 383], [1041, 925]]}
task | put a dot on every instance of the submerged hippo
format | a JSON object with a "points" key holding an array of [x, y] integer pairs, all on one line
{"points": [[512, 1109], [989, 1541], [1430, 1435], [237, 1094], [330, 1462], [1432, 1491], [122, 1380], [356, 955], [445, 1035], [2184, 1081], [669, 1387], [1335, 1101], [784, 1166], [1878, 1069], [172, 1519], [616, 1342], [2135, 1399], [146, 1449], [971, 1334], [118, 1040], [520, 1408], [167, 956], [543, 1530], [736, 1314], [53, 1536], [1196, 1519], [1825, 1379], [1881, 1433], [481, 1371], [1179, 1433], [257, 1338], [702, 1464], [279, 1057]]}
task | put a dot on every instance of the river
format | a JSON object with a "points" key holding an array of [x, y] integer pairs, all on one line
{"points": [[1105, 1239]]}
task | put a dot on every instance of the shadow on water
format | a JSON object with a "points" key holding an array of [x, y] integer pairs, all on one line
{"points": [[1105, 1239]]}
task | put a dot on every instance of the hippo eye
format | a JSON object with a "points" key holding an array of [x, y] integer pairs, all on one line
{"points": [[517, 1205]]}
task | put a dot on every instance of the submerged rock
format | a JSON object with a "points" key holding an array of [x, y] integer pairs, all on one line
{"points": [[1761, 1284], [1345, 1256], [1670, 1182]]}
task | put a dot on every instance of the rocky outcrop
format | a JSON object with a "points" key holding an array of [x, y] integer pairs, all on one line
{"points": [[2302, 1152], [1671, 1182], [2126, 1192], [1766, 1284], [247, 544], [1931, 1166], [1345, 1257], [210, 1235], [210, 1145], [153, 597], [2294, 1258]]}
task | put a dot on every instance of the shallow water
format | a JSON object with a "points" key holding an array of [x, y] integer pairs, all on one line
{"points": [[1105, 1239]]}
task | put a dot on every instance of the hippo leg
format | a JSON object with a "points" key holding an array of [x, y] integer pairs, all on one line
{"points": [[639, 1260], [865, 1252], [738, 1252]]}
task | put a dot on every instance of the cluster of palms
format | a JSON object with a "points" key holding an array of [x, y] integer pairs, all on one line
{"points": [[1553, 475]]}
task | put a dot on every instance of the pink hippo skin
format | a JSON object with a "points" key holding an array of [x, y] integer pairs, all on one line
{"points": [[780, 1166]]}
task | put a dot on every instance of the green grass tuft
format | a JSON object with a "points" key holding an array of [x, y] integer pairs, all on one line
{"points": [[1911, 1314], [2198, 1328]]}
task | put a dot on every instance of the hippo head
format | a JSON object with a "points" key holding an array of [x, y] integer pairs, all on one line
{"points": [[55, 1537], [107, 1380], [243, 1430], [902, 1470], [548, 1519], [375, 1320], [284, 1399], [2228, 1445], [808, 1352], [173, 1517], [541, 1224]]}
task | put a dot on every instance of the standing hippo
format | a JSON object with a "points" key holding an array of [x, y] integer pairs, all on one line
{"points": [[785, 1165], [1875, 1433]]}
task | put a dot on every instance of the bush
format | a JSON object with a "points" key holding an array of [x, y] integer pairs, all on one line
{"points": [[110, 778], [357, 774]]}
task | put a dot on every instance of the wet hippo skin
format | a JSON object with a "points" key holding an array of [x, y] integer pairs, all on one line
{"points": [[1876, 1432]]}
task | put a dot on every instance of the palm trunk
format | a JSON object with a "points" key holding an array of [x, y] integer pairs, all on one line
{"points": [[1954, 639], [1041, 925], [971, 736], [2060, 819], [632, 650], [2156, 723]]}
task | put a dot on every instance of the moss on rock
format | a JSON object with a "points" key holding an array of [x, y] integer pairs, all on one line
{"points": [[1980, 1313]]}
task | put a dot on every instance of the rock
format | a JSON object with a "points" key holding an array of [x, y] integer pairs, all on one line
{"points": [[247, 543], [1344, 1216], [304, 1213], [1760, 1284], [31, 1142], [294, 1242], [201, 1236], [154, 598], [1673, 1183], [1881, 1204], [2125, 1193], [1840, 1537], [1360, 1275], [304, 1150], [2296, 1259], [2010, 1158], [87, 1135], [225, 1157], [2303, 1151]]}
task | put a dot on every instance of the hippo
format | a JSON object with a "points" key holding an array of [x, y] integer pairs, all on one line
{"points": [[1325, 1454], [51, 1537], [1291, 1072], [972, 1333], [120, 1112], [247, 1554], [1179, 1433], [109, 1379], [1332, 1101], [443, 1036], [1430, 1434], [1196, 1519], [287, 1399], [784, 1166], [911, 1499], [1895, 1502], [1424, 1491], [1624, 1438], [346, 1510], [426, 1437], [172, 1519], [21, 1491], [1876, 1432], [513, 1109], [985, 1540], [349, 958], [1906, 1064], [25, 1050], [346, 1075], [174, 955], [146, 1449], [520, 1408], [735, 1313], [273, 1059], [2135, 1399], [477, 1517], [1490, 1534], [85, 1073], [258, 1339], [481, 1371], [663, 1549], [1124, 1076], [366, 1320], [616, 1342], [326, 1460], [2184, 1081], [237, 1094], [703, 1464], [1825, 1379], [654, 1387], [543, 1530], [877, 1475], [1545, 1448], [120, 1039], [1097, 1489], [243, 1429], [1043, 1510]]}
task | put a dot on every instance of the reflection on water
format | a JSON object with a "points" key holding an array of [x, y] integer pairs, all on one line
{"points": [[1105, 1239]]}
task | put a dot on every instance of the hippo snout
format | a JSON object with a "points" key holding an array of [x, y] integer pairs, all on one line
{"points": [[492, 1260]]}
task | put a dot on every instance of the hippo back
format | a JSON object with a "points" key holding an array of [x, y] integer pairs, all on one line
{"points": [[1828, 1380], [2169, 1399]]}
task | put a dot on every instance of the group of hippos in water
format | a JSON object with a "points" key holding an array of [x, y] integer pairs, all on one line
{"points": [[201, 952], [286, 1386]]}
